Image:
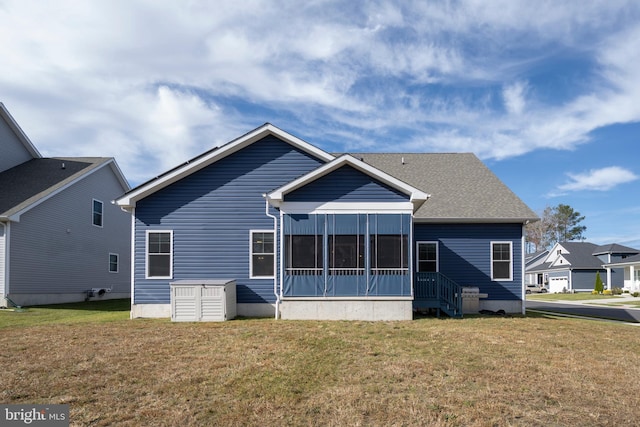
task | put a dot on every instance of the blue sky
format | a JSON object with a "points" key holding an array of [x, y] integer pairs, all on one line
{"points": [[546, 93]]}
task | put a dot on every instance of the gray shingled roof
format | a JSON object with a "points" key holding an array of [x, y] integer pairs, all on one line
{"points": [[31, 181], [629, 260], [462, 188], [580, 256], [614, 248]]}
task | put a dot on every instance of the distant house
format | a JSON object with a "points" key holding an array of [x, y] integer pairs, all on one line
{"points": [[631, 272], [61, 238], [572, 266], [533, 260], [311, 235]]}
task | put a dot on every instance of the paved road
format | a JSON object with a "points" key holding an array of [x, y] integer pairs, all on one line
{"points": [[580, 309]]}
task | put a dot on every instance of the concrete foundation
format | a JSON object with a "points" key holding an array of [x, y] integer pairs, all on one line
{"points": [[150, 311], [509, 306], [26, 300], [164, 310], [345, 309]]}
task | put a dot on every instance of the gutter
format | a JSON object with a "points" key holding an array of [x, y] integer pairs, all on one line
{"points": [[275, 257]]}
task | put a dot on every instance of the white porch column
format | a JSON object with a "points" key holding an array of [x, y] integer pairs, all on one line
{"points": [[634, 285], [609, 278]]}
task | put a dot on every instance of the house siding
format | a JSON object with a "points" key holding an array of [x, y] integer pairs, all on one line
{"points": [[3, 252], [585, 280], [465, 255], [211, 213], [55, 248], [13, 151], [346, 184]]}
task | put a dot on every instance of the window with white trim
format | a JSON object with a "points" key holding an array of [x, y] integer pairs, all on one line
{"points": [[159, 254], [113, 263], [427, 256], [262, 254], [501, 261], [97, 210]]}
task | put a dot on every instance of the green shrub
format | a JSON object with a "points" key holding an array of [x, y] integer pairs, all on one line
{"points": [[616, 291], [636, 294], [599, 285]]}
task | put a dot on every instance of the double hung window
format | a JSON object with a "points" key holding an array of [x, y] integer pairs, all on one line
{"points": [[501, 261], [113, 263], [97, 212], [159, 254], [262, 254], [427, 257]]}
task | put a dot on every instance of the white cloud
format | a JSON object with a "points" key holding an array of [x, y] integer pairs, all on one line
{"points": [[447, 76], [514, 97], [598, 179]]}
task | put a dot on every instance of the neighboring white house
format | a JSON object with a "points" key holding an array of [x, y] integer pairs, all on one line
{"points": [[573, 266], [61, 238], [631, 266], [533, 260]]}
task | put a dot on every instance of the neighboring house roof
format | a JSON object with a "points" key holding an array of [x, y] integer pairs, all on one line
{"points": [[36, 180], [535, 256], [573, 256], [614, 248], [17, 130], [462, 188], [632, 260], [416, 196]]}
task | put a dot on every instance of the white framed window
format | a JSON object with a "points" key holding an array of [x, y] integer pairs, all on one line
{"points": [[97, 212], [159, 254], [261, 254], [427, 257], [501, 261], [113, 263]]}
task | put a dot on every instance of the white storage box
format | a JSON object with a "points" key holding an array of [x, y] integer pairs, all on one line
{"points": [[203, 300]]}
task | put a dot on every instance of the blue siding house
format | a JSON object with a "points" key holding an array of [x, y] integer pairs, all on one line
{"points": [[308, 234]]}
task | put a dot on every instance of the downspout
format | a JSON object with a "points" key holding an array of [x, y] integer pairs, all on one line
{"points": [[523, 245], [275, 254], [5, 261]]}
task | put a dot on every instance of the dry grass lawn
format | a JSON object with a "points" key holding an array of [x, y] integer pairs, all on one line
{"points": [[482, 371]]}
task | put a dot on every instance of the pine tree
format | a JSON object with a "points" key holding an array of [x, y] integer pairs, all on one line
{"points": [[599, 286]]}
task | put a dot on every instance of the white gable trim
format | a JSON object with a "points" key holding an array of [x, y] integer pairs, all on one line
{"points": [[17, 130], [416, 196], [560, 261], [129, 200], [346, 208], [552, 256]]}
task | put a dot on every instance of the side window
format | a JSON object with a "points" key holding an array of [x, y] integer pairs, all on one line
{"points": [[501, 261], [97, 212], [262, 254], [159, 254], [113, 263], [427, 256]]}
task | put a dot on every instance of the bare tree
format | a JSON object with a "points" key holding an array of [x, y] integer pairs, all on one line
{"points": [[557, 224]]}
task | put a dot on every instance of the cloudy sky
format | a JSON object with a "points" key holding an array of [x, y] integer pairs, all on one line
{"points": [[546, 93]]}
